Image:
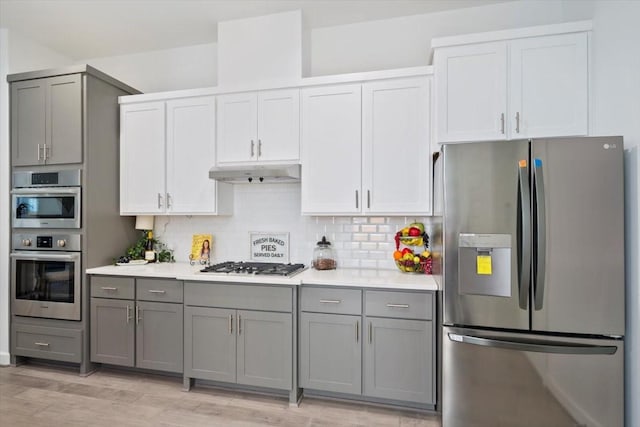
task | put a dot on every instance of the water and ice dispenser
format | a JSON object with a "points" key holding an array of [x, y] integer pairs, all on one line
{"points": [[484, 264]]}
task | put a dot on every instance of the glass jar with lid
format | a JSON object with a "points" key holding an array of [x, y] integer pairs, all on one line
{"points": [[324, 257]]}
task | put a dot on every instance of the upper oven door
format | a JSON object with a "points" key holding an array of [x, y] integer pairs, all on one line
{"points": [[45, 284], [46, 207]]}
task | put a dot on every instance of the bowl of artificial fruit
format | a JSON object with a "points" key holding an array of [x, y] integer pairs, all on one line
{"points": [[412, 253]]}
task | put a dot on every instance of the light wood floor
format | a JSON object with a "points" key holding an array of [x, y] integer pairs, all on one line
{"points": [[35, 395]]}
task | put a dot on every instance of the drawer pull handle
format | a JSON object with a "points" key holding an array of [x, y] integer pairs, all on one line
{"points": [[156, 291], [42, 344], [108, 288], [330, 301], [398, 305]]}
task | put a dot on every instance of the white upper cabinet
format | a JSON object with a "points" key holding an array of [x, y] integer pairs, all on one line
{"points": [[366, 148], [167, 149], [522, 88], [549, 86], [259, 127], [331, 150], [142, 158], [396, 155]]}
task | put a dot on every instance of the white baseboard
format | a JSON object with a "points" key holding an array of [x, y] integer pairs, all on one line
{"points": [[5, 359]]}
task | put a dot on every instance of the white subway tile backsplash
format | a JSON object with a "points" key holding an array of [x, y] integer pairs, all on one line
{"points": [[359, 242]]}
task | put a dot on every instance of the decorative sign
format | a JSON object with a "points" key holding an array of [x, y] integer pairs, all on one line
{"points": [[201, 247], [269, 247]]}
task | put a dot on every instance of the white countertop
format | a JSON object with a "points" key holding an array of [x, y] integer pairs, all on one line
{"points": [[364, 278]]}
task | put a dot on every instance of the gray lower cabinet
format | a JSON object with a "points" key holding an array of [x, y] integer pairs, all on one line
{"points": [[244, 335], [210, 344], [264, 348], [398, 360], [112, 331], [330, 352], [134, 332], [378, 344]]}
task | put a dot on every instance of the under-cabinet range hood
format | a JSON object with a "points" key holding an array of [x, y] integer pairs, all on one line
{"points": [[256, 174]]}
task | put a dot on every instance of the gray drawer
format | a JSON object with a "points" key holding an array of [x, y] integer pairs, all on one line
{"points": [[162, 290], [331, 300], [404, 305], [261, 297], [47, 343], [112, 287]]}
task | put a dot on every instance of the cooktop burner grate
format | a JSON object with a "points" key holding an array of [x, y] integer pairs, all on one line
{"points": [[257, 268]]}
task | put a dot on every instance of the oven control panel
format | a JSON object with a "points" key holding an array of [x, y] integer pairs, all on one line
{"points": [[46, 242]]}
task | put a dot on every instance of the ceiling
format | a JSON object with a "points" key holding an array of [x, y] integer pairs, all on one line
{"points": [[83, 29]]}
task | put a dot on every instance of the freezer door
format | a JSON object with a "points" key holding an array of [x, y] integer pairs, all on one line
{"points": [[515, 380], [486, 232], [578, 253]]}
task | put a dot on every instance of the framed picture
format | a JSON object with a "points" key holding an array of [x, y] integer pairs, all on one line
{"points": [[269, 247], [202, 247]]}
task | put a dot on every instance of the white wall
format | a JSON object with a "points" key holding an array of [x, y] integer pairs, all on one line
{"points": [[17, 54], [161, 70]]}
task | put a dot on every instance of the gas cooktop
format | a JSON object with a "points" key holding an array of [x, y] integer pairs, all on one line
{"points": [[257, 268]]}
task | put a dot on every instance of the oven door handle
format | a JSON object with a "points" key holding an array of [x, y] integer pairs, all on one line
{"points": [[45, 255], [46, 190]]}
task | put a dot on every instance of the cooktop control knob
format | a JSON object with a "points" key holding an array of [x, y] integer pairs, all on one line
{"points": [[62, 243], [26, 242]]}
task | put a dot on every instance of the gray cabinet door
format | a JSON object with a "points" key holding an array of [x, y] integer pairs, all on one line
{"points": [[28, 122], [331, 352], [159, 336], [210, 344], [64, 119], [398, 360], [112, 331], [265, 349]]}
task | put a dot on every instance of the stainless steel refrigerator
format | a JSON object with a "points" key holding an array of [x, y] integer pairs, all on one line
{"points": [[533, 308]]}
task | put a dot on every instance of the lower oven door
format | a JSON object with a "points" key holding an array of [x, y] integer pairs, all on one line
{"points": [[46, 284]]}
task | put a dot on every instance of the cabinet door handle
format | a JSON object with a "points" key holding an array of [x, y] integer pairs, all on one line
{"points": [[159, 200], [368, 199], [370, 333], [157, 291], [108, 288], [239, 325], [128, 313], [252, 150], [44, 152], [169, 201], [517, 122], [259, 148], [330, 301], [38, 152], [230, 324], [398, 305], [357, 330], [502, 123], [138, 314], [356, 199]]}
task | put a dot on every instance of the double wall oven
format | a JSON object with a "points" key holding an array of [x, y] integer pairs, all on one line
{"points": [[46, 256]]}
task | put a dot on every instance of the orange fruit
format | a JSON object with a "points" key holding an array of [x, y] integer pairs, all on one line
{"points": [[397, 255]]}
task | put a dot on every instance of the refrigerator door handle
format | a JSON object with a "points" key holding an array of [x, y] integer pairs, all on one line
{"points": [[540, 246], [539, 346], [524, 234]]}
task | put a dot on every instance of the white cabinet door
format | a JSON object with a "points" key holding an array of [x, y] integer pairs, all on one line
{"points": [[549, 86], [142, 158], [331, 150], [396, 158], [471, 92], [237, 127], [191, 130], [279, 126]]}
